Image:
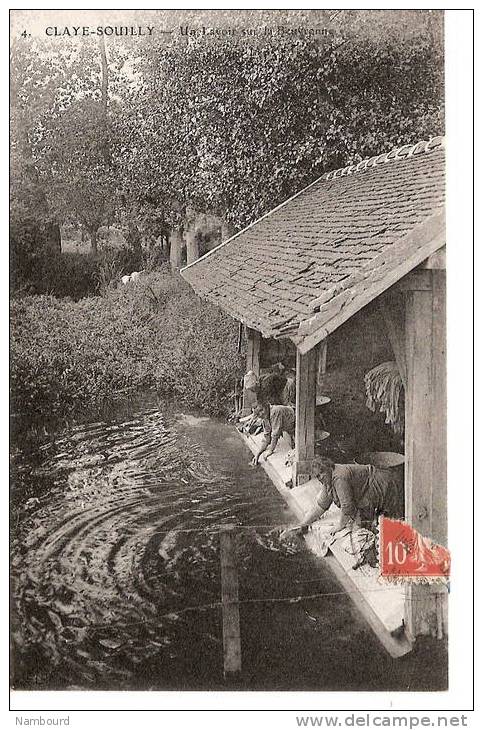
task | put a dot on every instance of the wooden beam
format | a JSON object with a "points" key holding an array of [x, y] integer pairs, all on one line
{"points": [[239, 338], [229, 604], [418, 471], [426, 409], [418, 416], [321, 364], [437, 260], [253, 363], [306, 378], [425, 434], [426, 611], [253, 350], [439, 528]]}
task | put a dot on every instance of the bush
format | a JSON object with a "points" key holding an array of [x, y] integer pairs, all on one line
{"points": [[73, 274], [66, 354], [66, 275]]}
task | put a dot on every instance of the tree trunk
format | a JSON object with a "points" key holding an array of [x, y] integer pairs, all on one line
{"points": [[93, 237], [134, 239], [192, 246], [227, 230], [104, 96], [176, 248], [53, 238]]}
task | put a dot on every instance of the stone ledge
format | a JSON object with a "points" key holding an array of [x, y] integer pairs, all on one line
{"points": [[381, 604]]}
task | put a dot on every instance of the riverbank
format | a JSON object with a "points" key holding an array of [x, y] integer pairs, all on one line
{"points": [[67, 355]]}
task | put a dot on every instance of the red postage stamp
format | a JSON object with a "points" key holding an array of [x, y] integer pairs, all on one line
{"points": [[404, 553]]}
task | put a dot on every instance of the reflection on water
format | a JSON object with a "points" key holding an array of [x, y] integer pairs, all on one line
{"points": [[116, 541]]}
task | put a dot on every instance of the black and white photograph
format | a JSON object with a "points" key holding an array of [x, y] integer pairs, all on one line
{"points": [[228, 352]]}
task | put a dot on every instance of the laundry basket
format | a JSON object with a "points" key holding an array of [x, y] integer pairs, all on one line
{"points": [[382, 459]]}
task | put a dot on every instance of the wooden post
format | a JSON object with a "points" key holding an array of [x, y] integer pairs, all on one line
{"points": [[253, 363], [253, 350], [229, 603], [306, 378], [418, 414], [425, 434], [439, 526], [239, 338], [321, 364]]}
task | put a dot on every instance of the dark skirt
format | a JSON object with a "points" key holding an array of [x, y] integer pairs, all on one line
{"points": [[385, 494]]}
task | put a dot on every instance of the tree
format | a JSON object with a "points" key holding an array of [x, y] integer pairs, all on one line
{"points": [[75, 168], [34, 228], [74, 151], [61, 134], [236, 127]]}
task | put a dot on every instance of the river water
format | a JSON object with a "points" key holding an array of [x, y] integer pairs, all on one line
{"points": [[116, 568]]}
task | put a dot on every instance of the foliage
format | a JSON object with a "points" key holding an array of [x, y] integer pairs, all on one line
{"points": [[65, 354], [59, 139], [235, 127], [76, 167], [231, 127]]}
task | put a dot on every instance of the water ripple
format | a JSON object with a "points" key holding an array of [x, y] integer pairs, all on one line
{"points": [[105, 550]]}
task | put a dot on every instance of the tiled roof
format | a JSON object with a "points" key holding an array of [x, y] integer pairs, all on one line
{"points": [[338, 243]]}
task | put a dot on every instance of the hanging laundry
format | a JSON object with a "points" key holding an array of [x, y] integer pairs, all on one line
{"points": [[385, 392]]}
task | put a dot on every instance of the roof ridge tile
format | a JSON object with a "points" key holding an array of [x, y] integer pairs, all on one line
{"points": [[407, 150]]}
